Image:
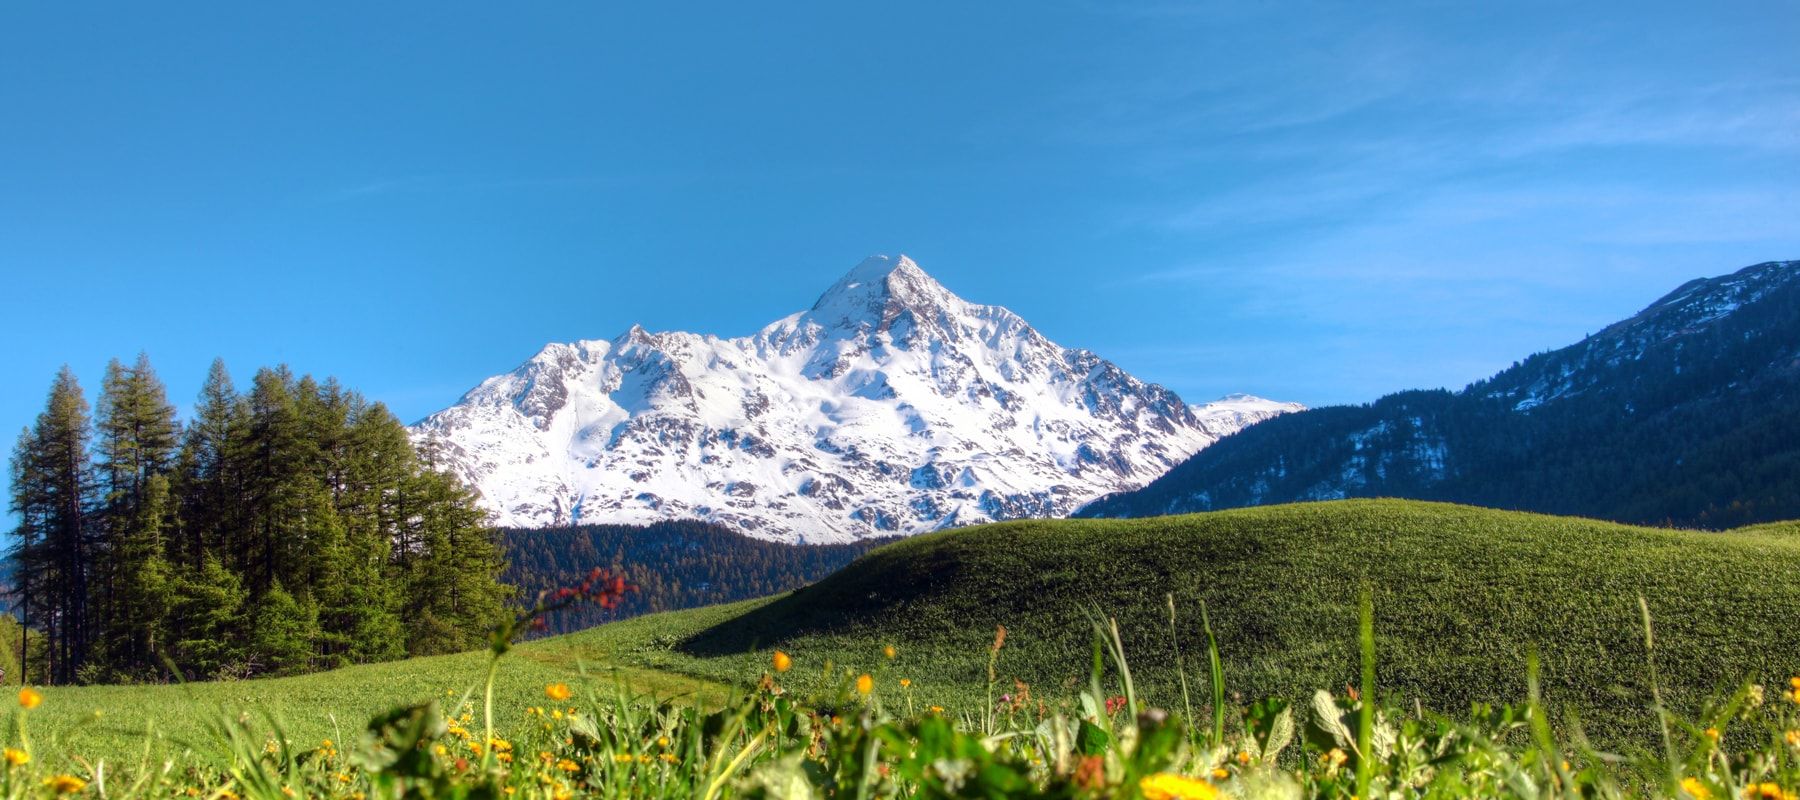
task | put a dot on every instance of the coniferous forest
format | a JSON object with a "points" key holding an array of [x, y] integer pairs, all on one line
{"points": [[669, 565], [289, 526]]}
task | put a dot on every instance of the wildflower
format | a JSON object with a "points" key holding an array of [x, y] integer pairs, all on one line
{"points": [[1695, 789], [16, 757], [1767, 791], [1712, 734], [1169, 786], [1113, 704], [906, 683], [567, 766], [30, 698], [440, 750], [937, 709], [1220, 773], [1793, 739], [1243, 757], [865, 684], [890, 652], [662, 741], [557, 691], [783, 661], [1333, 760], [65, 784], [668, 758]]}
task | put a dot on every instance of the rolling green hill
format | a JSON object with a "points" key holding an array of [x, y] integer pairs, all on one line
{"points": [[1461, 594]]}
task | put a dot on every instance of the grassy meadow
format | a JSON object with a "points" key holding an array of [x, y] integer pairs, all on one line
{"points": [[1463, 601]]}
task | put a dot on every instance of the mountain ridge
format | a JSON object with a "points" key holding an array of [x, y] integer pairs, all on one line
{"points": [[889, 406], [1682, 414]]}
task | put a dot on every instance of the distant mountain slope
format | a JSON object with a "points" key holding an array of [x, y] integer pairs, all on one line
{"points": [[1687, 413], [891, 406]]}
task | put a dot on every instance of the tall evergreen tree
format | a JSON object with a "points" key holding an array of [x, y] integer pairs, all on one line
{"points": [[136, 445], [54, 497]]}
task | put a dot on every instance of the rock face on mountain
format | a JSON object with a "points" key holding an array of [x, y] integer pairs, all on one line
{"points": [[1687, 413], [890, 407]]}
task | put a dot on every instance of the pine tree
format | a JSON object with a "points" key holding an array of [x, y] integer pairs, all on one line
{"points": [[207, 619], [53, 494], [282, 633], [209, 476], [137, 439]]}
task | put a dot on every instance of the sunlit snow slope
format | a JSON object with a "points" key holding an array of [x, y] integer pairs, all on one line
{"points": [[891, 406]]}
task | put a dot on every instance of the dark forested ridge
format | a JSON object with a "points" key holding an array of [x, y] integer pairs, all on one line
{"points": [[1686, 414], [673, 565], [284, 528]]}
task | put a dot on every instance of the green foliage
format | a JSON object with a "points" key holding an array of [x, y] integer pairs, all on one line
{"points": [[291, 527]]}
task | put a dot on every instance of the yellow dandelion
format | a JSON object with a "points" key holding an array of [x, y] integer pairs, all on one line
{"points": [[783, 662], [1243, 757], [17, 757], [1169, 786], [668, 758], [557, 691], [890, 652], [567, 766], [30, 698], [1695, 789], [662, 741], [906, 683], [865, 684], [1220, 773], [1793, 738], [65, 784]]}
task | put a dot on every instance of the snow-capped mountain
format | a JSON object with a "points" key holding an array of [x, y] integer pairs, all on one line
{"points": [[891, 406]]}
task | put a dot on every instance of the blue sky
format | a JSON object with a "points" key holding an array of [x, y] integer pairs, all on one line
{"points": [[1315, 202]]}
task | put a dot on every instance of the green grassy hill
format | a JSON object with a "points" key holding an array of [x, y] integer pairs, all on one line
{"points": [[1462, 595]]}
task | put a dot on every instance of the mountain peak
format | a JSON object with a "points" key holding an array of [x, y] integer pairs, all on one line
{"points": [[880, 283]]}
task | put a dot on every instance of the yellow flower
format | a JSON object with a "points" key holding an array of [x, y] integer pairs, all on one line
{"points": [[1243, 757], [1793, 738], [17, 757], [906, 683], [65, 784], [1712, 733], [29, 698], [937, 709], [567, 766], [890, 652], [783, 662], [1220, 773], [1169, 786], [662, 741], [667, 757], [865, 684], [1695, 789], [557, 691]]}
